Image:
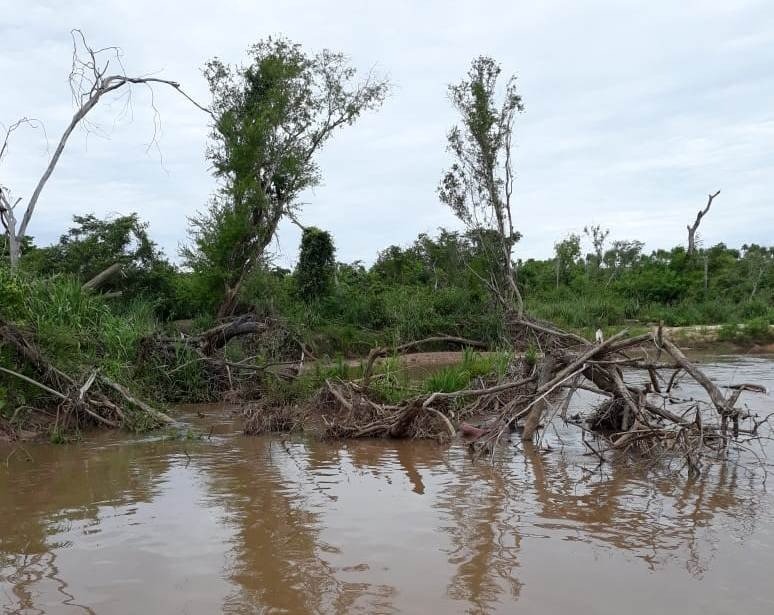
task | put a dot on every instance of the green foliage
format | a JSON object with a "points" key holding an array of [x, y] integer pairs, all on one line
{"points": [[316, 264], [272, 116], [92, 245], [447, 380], [567, 253], [531, 354], [756, 330], [478, 186], [461, 376], [78, 331]]}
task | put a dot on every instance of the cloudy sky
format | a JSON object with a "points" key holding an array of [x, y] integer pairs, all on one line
{"points": [[635, 111]]}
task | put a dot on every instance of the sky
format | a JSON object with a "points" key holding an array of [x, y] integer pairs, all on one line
{"points": [[635, 111]]}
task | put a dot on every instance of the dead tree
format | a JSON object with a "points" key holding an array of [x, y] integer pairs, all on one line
{"points": [[692, 228], [637, 417], [89, 82]]}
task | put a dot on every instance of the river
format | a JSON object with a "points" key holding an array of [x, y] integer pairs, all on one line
{"points": [[237, 524]]}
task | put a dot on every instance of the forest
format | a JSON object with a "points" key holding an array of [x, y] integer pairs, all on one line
{"points": [[102, 320]]}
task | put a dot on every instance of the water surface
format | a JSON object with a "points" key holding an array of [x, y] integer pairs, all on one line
{"points": [[242, 524]]}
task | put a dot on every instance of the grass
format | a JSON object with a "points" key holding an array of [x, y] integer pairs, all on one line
{"points": [[461, 376], [391, 382], [79, 332]]}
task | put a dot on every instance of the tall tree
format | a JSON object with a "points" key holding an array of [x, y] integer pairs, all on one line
{"points": [[479, 185], [271, 117]]}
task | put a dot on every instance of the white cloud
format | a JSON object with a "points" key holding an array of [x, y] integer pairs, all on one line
{"points": [[634, 112]]}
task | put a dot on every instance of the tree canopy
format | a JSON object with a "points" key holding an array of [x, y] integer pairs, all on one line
{"points": [[272, 116]]}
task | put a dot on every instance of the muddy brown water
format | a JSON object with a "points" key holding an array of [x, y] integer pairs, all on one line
{"points": [[241, 524]]}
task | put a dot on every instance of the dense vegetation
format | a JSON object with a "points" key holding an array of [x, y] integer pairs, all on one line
{"points": [[437, 284], [270, 118]]}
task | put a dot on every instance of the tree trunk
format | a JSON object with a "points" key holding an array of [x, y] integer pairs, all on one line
{"points": [[692, 228], [10, 224], [228, 305], [547, 367], [102, 277]]}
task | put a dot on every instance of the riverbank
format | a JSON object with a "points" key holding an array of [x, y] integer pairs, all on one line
{"points": [[704, 339], [724, 338]]}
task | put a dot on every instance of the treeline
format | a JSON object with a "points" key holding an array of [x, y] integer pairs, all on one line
{"points": [[437, 284]]}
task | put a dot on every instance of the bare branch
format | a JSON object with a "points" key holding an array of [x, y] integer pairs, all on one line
{"points": [[692, 228], [89, 82]]}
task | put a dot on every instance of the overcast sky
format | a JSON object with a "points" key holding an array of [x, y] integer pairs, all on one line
{"points": [[634, 112]]}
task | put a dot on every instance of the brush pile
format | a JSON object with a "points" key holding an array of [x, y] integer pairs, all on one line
{"points": [[639, 376], [96, 400]]}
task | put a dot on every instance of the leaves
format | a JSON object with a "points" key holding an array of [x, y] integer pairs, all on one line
{"points": [[478, 186], [272, 117], [316, 264]]}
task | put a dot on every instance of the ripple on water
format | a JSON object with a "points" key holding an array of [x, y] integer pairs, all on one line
{"points": [[241, 524]]}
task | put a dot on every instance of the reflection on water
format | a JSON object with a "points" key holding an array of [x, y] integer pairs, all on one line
{"points": [[249, 525]]}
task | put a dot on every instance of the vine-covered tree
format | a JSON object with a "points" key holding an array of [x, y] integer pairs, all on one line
{"points": [[316, 264], [272, 116], [479, 186]]}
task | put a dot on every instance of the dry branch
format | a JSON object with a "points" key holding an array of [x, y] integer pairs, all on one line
{"points": [[720, 402], [547, 367], [633, 418], [692, 228], [89, 82]]}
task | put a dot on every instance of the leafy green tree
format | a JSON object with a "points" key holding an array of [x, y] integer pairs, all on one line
{"points": [[396, 265], [623, 254], [316, 264], [92, 245], [479, 185], [758, 267], [272, 116], [567, 252]]}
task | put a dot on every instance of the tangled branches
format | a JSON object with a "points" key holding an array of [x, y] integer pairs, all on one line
{"points": [[77, 404], [638, 377]]}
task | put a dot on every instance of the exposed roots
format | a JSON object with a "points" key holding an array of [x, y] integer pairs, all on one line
{"points": [[646, 420]]}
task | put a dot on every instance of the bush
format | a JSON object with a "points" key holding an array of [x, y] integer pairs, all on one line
{"points": [[755, 330]]}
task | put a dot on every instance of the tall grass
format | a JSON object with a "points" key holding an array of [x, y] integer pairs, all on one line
{"points": [[605, 309], [78, 332]]}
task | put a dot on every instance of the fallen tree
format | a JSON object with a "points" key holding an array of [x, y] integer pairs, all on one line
{"points": [[650, 419]]}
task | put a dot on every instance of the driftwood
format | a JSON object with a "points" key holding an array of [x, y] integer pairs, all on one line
{"points": [[547, 367], [632, 418]]}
